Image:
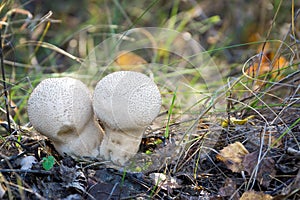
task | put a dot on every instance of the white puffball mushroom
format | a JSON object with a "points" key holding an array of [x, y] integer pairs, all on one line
{"points": [[126, 102], [61, 109]]}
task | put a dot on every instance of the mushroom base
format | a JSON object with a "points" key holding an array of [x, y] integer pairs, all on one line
{"points": [[119, 146], [81, 143]]}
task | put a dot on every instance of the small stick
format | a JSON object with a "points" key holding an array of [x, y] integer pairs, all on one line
{"points": [[4, 85], [293, 152], [33, 171]]}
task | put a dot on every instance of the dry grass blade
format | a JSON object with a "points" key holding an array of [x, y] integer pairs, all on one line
{"points": [[54, 48], [4, 85]]}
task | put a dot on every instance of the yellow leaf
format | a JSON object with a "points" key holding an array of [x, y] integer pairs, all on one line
{"points": [[235, 121]]}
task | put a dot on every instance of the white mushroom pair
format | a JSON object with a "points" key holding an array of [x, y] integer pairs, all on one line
{"points": [[125, 102]]}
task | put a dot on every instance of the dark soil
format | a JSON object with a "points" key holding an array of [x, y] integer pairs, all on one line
{"points": [[194, 178]]}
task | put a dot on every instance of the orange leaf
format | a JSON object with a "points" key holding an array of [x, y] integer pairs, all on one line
{"points": [[130, 61], [267, 65]]}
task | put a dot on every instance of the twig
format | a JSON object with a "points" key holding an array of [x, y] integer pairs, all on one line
{"points": [[112, 191], [293, 152], [27, 171], [26, 189], [4, 85]]}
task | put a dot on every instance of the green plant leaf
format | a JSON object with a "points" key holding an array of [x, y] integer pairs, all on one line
{"points": [[48, 162]]}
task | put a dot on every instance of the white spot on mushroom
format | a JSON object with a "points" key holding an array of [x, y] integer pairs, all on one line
{"points": [[126, 103]]}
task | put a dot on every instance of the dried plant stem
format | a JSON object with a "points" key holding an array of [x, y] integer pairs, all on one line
{"points": [[4, 85]]}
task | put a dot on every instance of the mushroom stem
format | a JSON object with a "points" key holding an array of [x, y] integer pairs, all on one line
{"points": [[83, 142], [115, 146]]}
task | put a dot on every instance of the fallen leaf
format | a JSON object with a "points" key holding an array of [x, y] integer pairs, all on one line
{"points": [[164, 182], [266, 169], [129, 61], [235, 121], [27, 162], [233, 155], [264, 67], [229, 189], [267, 66], [253, 195], [73, 177]]}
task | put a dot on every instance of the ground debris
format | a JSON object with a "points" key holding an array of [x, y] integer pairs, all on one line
{"points": [[233, 155], [229, 189], [265, 168], [253, 195]]}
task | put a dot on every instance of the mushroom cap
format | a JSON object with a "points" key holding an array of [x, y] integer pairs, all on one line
{"points": [[126, 100], [60, 106]]}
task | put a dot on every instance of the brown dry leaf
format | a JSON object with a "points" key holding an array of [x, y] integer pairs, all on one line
{"points": [[253, 195], [266, 169], [233, 156], [229, 189], [130, 61]]}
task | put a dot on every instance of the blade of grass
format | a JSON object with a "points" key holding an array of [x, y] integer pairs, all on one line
{"points": [[166, 135]]}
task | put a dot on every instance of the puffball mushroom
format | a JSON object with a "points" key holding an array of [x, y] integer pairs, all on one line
{"points": [[61, 109], [126, 102]]}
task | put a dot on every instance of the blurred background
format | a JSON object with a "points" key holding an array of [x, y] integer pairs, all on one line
{"points": [[53, 37]]}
